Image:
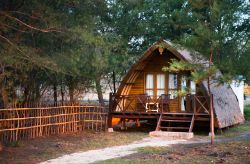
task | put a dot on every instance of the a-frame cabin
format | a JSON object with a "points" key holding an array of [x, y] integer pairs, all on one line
{"points": [[146, 92]]}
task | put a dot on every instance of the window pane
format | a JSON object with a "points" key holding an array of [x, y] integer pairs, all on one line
{"points": [[160, 81], [160, 92], [183, 83], [150, 92], [149, 81], [193, 87], [172, 83]]}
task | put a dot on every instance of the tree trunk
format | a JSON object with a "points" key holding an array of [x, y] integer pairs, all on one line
{"points": [[62, 93], [37, 93], [114, 81], [3, 91], [26, 94], [5, 97], [55, 93], [99, 90], [211, 101], [71, 92]]}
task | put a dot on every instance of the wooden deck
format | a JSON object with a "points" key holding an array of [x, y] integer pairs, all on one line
{"points": [[154, 115], [199, 110]]}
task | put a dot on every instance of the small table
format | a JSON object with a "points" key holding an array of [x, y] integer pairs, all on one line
{"points": [[152, 107]]}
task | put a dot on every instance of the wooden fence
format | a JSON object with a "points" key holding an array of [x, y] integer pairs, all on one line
{"points": [[21, 123]]}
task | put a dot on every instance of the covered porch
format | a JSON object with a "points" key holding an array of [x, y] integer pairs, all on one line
{"points": [[142, 103], [195, 108]]}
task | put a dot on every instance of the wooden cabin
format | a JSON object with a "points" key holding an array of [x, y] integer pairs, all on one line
{"points": [[146, 92]]}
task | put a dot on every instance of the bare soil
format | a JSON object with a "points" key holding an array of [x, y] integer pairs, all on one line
{"points": [[44, 148], [230, 152], [198, 150]]}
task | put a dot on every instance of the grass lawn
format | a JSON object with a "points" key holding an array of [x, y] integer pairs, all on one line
{"points": [[233, 152], [247, 112], [234, 131], [44, 148], [237, 129]]}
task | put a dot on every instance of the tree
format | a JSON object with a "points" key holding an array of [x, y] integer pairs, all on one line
{"points": [[220, 28], [36, 36]]}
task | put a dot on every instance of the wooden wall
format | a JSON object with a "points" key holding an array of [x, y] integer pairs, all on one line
{"points": [[154, 64]]}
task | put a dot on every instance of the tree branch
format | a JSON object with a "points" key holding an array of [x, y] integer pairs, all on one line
{"points": [[29, 26], [11, 27]]}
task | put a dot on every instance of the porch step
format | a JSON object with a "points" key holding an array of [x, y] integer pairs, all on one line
{"points": [[176, 118], [163, 120], [202, 118], [172, 135], [173, 113], [175, 122], [174, 127]]}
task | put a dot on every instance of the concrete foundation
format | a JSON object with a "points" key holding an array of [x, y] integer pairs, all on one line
{"points": [[172, 135]]}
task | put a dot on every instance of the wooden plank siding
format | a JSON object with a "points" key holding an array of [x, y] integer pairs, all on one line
{"points": [[154, 65]]}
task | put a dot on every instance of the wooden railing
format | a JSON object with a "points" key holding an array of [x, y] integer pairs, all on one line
{"points": [[202, 104], [20, 123], [140, 103]]}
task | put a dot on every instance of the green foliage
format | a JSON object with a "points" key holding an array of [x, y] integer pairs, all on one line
{"points": [[199, 72], [74, 44], [218, 26], [247, 112], [221, 28], [178, 66]]}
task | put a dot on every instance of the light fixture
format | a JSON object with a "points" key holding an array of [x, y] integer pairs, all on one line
{"points": [[161, 50]]}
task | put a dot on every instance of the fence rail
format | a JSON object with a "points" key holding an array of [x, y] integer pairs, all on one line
{"points": [[20, 123]]}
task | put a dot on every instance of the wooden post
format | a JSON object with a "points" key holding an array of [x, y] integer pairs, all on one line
{"points": [[110, 110], [138, 124], [114, 81], [211, 119]]}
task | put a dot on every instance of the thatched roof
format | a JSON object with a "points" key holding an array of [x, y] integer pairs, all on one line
{"points": [[226, 106]]}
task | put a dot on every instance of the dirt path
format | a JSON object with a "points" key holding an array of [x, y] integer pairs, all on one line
{"points": [[111, 152], [124, 150]]}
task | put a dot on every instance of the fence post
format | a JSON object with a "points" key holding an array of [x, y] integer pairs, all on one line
{"points": [[110, 129]]}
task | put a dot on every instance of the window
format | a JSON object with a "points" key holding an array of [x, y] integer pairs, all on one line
{"points": [[160, 84], [183, 83], [155, 84], [172, 86], [183, 88], [172, 83], [150, 84], [193, 87]]}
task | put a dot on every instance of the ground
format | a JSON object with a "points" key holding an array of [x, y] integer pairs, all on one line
{"points": [[230, 152], [231, 146], [44, 148]]}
